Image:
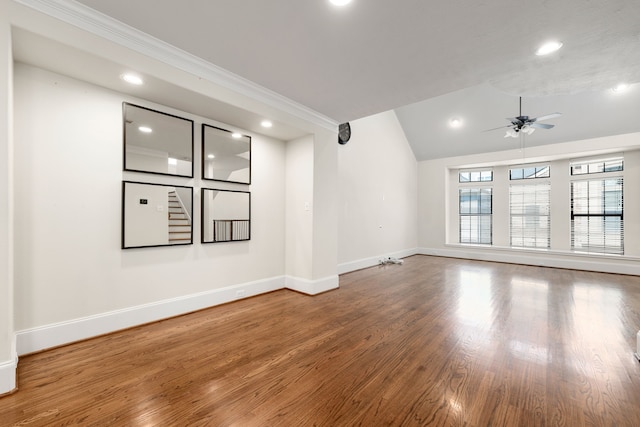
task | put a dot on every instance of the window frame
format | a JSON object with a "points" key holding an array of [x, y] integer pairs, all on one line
{"points": [[596, 249], [478, 171], [521, 183], [536, 167], [479, 214], [595, 162]]}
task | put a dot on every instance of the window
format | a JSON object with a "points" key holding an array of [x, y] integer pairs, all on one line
{"points": [[475, 215], [597, 215], [529, 172], [597, 166], [476, 176], [529, 208]]}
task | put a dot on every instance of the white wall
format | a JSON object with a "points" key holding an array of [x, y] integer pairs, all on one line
{"points": [[438, 210], [144, 159], [68, 264], [311, 248], [299, 207], [325, 211], [8, 360], [229, 205], [378, 214], [186, 199], [146, 224]]}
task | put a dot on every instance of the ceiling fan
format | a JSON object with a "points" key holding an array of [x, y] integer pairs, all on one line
{"points": [[525, 124]]}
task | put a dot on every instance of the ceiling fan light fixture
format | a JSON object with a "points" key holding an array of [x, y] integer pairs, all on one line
{"points": [[528, 130], [511, 133], [548, 48]]}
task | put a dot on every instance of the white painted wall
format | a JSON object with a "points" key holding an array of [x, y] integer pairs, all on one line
{"points": [[185, 197], [378, 193], [229, 205], [438, 209], [144, 159], [68, 263], [299, 207], [325, 211], [146, 224], [311, 260], [8, 360]]}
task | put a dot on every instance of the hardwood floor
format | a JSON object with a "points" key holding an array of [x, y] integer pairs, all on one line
{"points": [[435, 341]]}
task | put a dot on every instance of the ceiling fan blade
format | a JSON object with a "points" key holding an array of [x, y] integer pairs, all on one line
{"points": [[547, 117], [501, 127], [541, 125]]}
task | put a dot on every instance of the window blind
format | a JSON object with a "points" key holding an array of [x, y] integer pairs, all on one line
{"points": [[475, 208], [530, 223], [597, 216]]}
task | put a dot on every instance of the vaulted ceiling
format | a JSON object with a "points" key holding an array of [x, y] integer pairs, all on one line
{"points": [[430, 61]]}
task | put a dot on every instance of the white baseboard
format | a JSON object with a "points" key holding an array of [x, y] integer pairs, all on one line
{"points": [[8, 372], [53, 335], [556, 259], [350, 266], [312, 287]]}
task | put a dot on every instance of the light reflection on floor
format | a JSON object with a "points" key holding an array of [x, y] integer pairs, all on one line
{"points": [[475, 298]]}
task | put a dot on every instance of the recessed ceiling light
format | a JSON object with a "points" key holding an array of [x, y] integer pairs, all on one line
{"points": [[145, 129], [622, 87], [340, 2], [455, 122], [236, 135], [266, 124], [211, 156], [133, 79], [548, 48]]}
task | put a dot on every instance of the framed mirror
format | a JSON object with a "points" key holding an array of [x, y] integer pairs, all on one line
{"points": [[226, 155], [226, 215], [156, 215], [157, 142]]}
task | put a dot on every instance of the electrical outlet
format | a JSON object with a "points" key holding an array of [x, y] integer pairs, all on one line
{"points": [[241, 293]]}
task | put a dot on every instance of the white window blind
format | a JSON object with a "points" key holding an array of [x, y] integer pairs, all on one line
{"points": [[529, 207], [475, 215], [597, 223]]}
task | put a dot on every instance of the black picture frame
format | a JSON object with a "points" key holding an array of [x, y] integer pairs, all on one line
{"points": [[225, 215], [225, 155], [152, 216], [166, 148]]}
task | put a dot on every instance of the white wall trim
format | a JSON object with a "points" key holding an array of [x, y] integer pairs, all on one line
{"points": [[350, 266], [8, 372], [312, 287], [556, 259], [81, 16], [43, 337]]}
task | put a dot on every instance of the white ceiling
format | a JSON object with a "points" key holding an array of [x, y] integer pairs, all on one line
{"points": [[589, 114], [49, 54], [469, 59]]}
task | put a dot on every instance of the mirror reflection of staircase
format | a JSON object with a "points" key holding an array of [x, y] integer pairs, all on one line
{"points": [[179, 221]]}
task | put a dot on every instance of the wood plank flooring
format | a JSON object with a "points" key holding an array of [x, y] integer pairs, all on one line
{"points": [[436, 341]]}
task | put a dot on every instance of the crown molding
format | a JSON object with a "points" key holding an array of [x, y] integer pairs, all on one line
{"points": [[99, 24]]}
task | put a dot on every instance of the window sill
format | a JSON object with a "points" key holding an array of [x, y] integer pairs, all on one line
{"points": [[553, 252]]}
